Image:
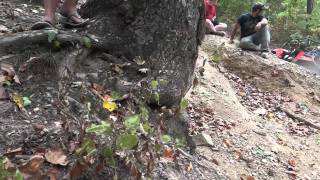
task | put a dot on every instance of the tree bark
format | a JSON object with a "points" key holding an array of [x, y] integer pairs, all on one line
{"points": [[164, 33]]}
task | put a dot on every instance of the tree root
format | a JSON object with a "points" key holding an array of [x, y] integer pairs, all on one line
{"points": [[307, 122], [41, 37]]}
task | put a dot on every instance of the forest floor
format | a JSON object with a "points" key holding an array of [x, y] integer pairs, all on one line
{"points": [[237, 115]]}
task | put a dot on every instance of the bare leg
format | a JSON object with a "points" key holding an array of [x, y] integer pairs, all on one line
{"points": [[70, 7], [50, 7], [210, 26], [221, 27]]}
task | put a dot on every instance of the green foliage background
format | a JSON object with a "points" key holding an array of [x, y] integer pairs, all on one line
{"points": [[286, 16]]}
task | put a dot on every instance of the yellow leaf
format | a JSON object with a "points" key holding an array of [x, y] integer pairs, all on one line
{"points": [[18, 100], [110, 106]]}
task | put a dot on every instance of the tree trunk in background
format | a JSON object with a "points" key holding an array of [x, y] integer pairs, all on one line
{"points": [[310, 6], [164, 33]]}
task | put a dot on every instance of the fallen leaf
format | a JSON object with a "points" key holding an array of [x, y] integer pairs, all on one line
{"points": [[110, 106], [33, 165], [247, 178], [227, 143], [12, 152], [168, 153], [190, 167], [8, 68], [4, 95], [53, 174], [38, 127], [77, 169], [26, 101], [16, 79], [127, 141], [292, 162], [139, 60], [9, 166], [18, 100], [56, 156]]}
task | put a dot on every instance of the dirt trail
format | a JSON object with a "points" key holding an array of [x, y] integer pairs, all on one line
{"points": [[250, 136]]}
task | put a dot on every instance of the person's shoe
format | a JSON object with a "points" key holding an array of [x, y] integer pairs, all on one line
{"points": [[264, 55], [73, 20], [42, 25], [218, 33]]}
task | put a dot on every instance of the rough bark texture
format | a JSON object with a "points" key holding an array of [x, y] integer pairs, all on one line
{"points": [[164, 33]]}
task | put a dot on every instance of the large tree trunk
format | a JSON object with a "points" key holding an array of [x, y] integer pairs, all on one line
{"points": [[164, 33]]}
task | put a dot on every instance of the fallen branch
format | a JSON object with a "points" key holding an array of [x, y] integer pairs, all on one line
{"points": [[188, 156], [292, 116]]}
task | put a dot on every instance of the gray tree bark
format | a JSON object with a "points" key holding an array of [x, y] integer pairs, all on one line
{"points": [[164, 33]]}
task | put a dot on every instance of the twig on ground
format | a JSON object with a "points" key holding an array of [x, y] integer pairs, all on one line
{"points": [[191, 158], [292, 116]]}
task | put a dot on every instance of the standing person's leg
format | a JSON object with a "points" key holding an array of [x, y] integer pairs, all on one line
{"points": [[50, 7], [72, 18], [49, 19], [263, 37], [246, 43]]}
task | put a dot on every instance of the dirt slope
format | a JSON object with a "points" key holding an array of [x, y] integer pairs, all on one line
{"points": [[236, 103]]}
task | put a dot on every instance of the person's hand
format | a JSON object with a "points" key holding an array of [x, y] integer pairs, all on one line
{"points": [[258, 27]]}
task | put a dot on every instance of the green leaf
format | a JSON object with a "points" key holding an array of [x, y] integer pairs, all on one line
{"points": [[146, 127], [157, 97], [88, 147], [165, 139], [108, 154], [157, 148], [144, 113], [183, 104], [116, 96], [103, 128], [87, 42], [132, 122], [154, 84], [52, 33], [127, 141], [18, 175], [26, 101], [181, 141], [56, 44]]}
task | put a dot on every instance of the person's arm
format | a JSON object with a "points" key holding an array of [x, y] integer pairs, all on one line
{"points": [[214, 17], [234, 32], [261, 24]]}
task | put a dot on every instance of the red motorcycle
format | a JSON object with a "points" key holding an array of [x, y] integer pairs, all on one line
{"points": [[304, 53]]}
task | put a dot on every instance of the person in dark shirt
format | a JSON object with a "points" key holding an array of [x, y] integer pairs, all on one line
{"points": [[213, 26], [255, 34]]}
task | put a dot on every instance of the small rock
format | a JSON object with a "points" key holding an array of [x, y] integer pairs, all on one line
{"points": [[261, 111], [202, 139]]}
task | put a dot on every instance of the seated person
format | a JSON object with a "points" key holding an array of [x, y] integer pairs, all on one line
{"points": [[255, 34], [69, 12], [213, 26]]}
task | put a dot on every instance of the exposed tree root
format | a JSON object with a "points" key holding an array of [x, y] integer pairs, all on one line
{"points": [[41, 37], [307, 122]]}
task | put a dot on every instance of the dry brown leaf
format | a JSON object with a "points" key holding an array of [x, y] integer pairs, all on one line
{"points": [[53, 174], [190, 167], [13, 152], [227, 143], [77, 169], [3, 94], [168, 153], [8, 68], [33, 165], [9, 166], [292, 162], [247, 178], [56, 156]]}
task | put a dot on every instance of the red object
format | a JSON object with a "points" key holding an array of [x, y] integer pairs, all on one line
{"points": [[279, 52], [301, 56], [211, 10]]}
